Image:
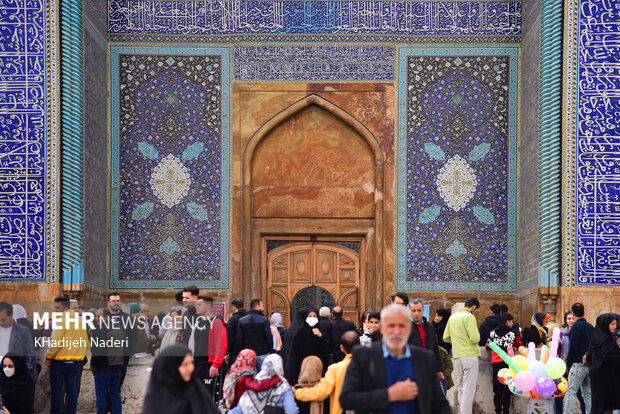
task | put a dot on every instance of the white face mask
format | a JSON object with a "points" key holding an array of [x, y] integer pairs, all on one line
{"points": [[312, 321], [9, 372]]}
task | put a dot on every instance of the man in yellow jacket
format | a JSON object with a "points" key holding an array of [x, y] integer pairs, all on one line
{"points": [[68, 347], [331, 384]]}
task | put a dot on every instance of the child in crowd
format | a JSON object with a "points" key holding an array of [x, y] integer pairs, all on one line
{"points": [[372, 322], [504, 337]]}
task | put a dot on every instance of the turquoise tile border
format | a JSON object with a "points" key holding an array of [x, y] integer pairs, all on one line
{"points": [[115, 51], [401, 147]]}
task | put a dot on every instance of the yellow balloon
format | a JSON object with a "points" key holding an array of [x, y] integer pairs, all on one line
{"points": [[561, 388], [505, 374], [521, 361], [513, 389]]}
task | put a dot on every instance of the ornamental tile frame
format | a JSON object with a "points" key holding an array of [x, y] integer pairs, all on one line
{"points": [[304, 62], [308, 17], [53, 144], [461, 245], [366, 39], [591, 155], [214, 212]]}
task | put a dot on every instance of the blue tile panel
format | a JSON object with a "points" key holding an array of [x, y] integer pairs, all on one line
{"points": [[597, 197], [314, 17], [314, 63], [23, 145], [170, 167], [457, 169]]}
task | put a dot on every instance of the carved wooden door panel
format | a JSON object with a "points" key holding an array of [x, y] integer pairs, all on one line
{"points": [[296, 266]]}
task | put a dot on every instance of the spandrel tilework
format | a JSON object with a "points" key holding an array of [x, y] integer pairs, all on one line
{"points": [[457, 169], [314, 17], [23, 150], [314, 62], [170, 184], [597, 146]]}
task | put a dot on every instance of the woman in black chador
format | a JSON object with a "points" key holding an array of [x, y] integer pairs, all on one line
{"points": [[604, 359], [16, 385], [439, 322], [172, 387], [306, 341]]}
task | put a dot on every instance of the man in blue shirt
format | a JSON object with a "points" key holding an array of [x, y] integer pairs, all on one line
{"points": [[391, 376]]}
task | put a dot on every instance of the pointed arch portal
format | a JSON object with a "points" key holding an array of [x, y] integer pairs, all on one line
{"points": [[313, 172]]}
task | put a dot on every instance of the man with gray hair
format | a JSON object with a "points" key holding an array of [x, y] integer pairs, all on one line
{"points": [[423, 333], [391, 376]]}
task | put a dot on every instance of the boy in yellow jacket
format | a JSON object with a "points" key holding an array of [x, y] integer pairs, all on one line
{"points": [[331, 384], [68, 347]]}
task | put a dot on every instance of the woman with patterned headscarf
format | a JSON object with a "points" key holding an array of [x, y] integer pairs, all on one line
{"points": [[280, 395], [240, 377], [537, 333]]}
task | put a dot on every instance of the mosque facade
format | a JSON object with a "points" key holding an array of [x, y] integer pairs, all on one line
{"points": [[312, 152]]}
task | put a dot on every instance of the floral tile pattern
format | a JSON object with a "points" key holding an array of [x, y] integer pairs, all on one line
{"points": [[170, 167], [457, 136]]}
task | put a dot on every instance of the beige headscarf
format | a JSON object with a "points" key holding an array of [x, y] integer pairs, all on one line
{"points": [[309, 376]]}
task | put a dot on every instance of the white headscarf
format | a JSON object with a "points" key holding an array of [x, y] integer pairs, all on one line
{"points": [[19, 312], [276, 320], [252, 402]]}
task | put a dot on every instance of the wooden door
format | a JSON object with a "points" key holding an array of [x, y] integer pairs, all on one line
{"points": [[296, 266]]}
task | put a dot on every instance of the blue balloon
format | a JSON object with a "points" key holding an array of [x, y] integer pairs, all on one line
{"points": [[537, 369]]}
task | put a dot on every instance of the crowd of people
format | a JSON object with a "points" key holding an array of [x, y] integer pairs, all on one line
{"points": [[395, 361]]}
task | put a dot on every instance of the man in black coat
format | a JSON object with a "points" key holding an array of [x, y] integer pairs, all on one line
{"points": [[325, 325], [339, 327], [490, 323], [127, 324], [231, 328], [254, 332], [423, 334], [106, 362], [190, 296], [391, 374]]}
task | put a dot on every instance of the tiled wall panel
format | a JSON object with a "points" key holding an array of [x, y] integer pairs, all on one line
{"points": [[170, 167], [457, 169], [593, 102], [27, 144]]}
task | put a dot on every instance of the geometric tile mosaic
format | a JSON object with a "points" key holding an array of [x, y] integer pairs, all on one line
{"points": [[313, 62], [596, 126], [170, 167], [23, 143], [381, 17], [457, 169]]}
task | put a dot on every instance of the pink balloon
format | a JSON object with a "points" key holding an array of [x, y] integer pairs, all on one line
{"points": [[532, 352], [555, 340], [525, 381]]}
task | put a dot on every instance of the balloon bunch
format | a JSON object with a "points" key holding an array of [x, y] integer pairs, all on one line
{"points": [[530, 378]]}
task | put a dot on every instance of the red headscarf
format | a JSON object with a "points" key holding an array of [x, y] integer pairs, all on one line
{"points": [[245, 364]]}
